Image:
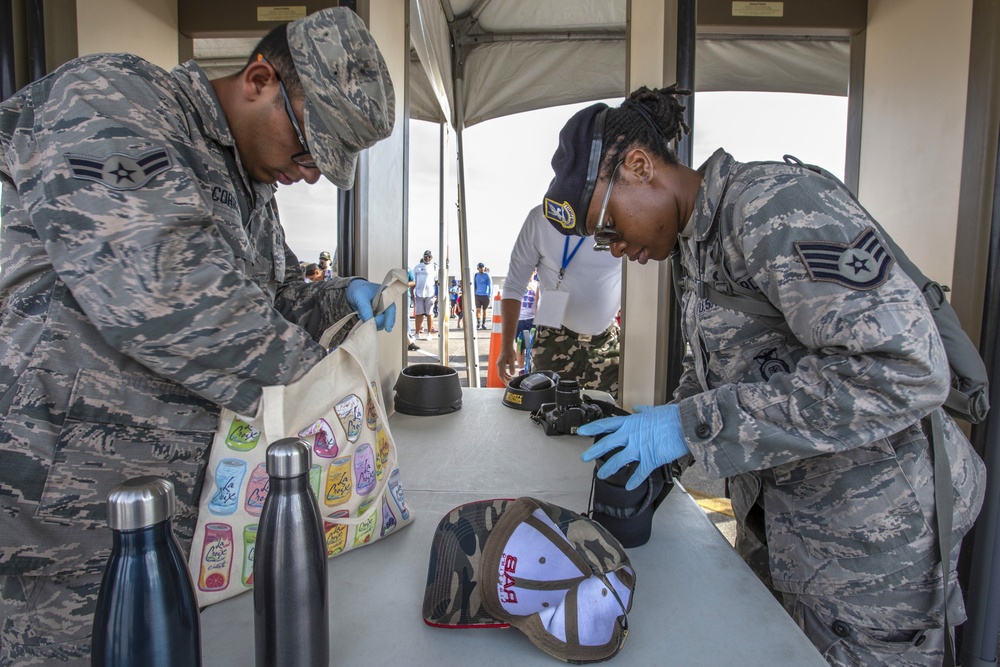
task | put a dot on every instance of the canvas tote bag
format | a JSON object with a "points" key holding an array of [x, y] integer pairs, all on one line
{"points": [[337, 407]]}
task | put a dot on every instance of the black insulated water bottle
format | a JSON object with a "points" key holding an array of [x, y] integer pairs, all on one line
{"points": [[291, 615]]}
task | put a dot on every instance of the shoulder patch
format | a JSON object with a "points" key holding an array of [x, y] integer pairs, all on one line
{"points": [[863, 265], [561, 214], [119, 171]]}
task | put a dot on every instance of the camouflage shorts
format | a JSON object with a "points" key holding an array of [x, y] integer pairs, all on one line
{"points": [[593, 360], [46, 620]]}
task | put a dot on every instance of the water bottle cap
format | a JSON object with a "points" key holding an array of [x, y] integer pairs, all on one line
{"points": [[140, 502], [288, 457]]}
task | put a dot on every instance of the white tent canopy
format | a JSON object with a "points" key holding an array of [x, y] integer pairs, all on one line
{"points": [[491, 58]]}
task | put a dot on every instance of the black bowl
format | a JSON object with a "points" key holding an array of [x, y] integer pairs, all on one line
{"points": [[428, 389]]}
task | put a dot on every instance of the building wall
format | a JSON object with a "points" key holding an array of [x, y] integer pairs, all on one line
{"points": [[916, 78], [147, 28]]}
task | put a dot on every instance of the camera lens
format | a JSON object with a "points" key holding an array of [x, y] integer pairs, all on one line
{"points": [[568, 394]]}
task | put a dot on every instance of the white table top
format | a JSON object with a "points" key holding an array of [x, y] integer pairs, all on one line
{"points": [[695, 604]]}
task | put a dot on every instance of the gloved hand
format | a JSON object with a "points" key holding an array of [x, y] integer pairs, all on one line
{"points": [[652, 437], [360, 294]]}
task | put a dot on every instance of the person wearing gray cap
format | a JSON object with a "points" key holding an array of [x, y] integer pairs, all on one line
{"points": [[146, 285]]}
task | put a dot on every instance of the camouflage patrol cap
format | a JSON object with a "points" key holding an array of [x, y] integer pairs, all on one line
{"points": [[557, 576], [349, 100]]}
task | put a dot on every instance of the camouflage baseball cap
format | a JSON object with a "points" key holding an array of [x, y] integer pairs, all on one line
{"points": [[555, 575], [349, 100]]}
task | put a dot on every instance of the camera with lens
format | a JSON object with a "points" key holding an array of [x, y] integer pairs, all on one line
{"points": [[569, 412]]}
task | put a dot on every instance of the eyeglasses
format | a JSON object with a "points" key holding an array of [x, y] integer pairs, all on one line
{"points": [[303, 158], [605, 234]]}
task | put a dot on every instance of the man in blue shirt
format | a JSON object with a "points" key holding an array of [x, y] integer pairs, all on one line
{"points": [[484, 290]]}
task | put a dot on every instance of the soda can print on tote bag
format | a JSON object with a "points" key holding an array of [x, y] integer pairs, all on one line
{"points": [[242, 437], [216, 557], [371, 410], [324, 441], [396, 489], [364, 469], [365, 530], [349, 412], [381, 452], [388, 519], [228, 479], [249, 545], [256, 490], [338, 482], [336, 533]]}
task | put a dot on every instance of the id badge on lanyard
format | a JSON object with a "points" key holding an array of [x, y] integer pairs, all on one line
{"points": [[551, 309]]}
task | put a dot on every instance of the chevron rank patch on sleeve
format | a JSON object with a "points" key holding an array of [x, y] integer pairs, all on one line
{"points": [[119, 171], [862, 265]]}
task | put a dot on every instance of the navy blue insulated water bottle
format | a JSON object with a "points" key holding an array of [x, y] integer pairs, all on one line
{"points": [[291, 615], [147, 613]]}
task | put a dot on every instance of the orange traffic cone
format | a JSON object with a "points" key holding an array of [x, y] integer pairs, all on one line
{"points": [[496, 339]]}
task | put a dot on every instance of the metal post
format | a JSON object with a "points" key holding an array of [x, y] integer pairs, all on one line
{"points": [[346, 266], [686, 17], [471, 346], [36, 39], [8, 85]]}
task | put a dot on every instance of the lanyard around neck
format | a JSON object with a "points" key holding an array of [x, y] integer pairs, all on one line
{"points": [[567, 257]]}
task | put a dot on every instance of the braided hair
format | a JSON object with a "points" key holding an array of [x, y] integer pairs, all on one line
{"points": [[274, 47], [651, 118]]}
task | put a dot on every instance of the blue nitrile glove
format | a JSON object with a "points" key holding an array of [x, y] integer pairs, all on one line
{"points": [[360, 294], [652, 437]]}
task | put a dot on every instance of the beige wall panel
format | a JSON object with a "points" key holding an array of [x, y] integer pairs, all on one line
{"points": [[380, 204], [644, 288], [147, 28], [916, 72]]}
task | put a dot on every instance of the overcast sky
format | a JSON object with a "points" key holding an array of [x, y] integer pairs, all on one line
{"points": [[507, 168]]}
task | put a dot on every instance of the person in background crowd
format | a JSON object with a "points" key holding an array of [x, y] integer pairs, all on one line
{"points": [[820, 418], [326, 265], [526, 322], [423, 294], [313, 273], [135, 306], [576, 333], [483, 286]]}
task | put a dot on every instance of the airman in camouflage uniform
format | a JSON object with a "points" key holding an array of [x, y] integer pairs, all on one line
{"points": [[146, 282], [820, 422]]}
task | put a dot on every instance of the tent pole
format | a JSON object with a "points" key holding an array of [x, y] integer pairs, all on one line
{"points": [[444, 297], [471, 347]]}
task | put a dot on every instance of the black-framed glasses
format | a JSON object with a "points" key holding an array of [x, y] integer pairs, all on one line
{"points": [[303, 158], [605, 234]]}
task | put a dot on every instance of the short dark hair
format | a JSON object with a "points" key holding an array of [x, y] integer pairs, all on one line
{"points": [[648, 117], [274, 48]]}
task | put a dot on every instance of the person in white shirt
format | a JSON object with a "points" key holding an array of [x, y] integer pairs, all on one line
{"points": [[576, 327], [424, 274]]}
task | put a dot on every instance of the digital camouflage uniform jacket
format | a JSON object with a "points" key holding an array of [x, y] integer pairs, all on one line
{"points": [[142, 278], [824, 425]]}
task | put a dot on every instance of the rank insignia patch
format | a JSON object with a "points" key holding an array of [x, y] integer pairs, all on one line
{"points": [[561, 214], [119, 171], [863, 265]]}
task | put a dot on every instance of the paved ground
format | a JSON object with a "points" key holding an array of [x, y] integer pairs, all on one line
{"points": [[708, 492]]}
